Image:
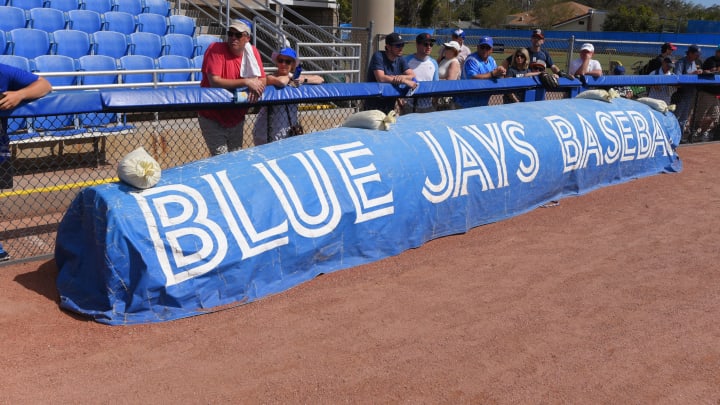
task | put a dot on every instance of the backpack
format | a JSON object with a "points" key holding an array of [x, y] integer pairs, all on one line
{"points": [[652, 65]]}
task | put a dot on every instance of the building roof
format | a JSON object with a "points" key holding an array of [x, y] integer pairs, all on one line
{"points": [[567, 12]]}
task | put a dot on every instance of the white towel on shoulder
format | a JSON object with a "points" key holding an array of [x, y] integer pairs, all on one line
{"points": [[249, 66]]}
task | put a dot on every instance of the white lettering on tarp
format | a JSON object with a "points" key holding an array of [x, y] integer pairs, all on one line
{"points": [[630, 135], [454, 178], [437, 193], [304, 223], [196, 243], [358, 179], [251, 241]]}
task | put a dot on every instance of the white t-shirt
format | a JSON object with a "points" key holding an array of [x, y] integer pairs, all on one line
{"points": [[425, 70], [593, 65]]}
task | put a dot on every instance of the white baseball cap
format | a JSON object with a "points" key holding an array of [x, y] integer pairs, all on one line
{"points": [[587, 47], [452, 44]]}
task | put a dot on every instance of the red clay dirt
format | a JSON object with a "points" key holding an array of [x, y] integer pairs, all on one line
{"points": [[612, 297]]}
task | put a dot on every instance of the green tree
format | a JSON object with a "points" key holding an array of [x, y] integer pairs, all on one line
{"points": [[640, 18], [344, 11]]}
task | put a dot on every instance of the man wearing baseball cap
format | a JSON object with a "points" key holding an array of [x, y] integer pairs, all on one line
{"points": [[585, 64], [389, 66], [654, 64], [231, 64], [537, 39], [425, 69], [687, 65], [480, 65]]}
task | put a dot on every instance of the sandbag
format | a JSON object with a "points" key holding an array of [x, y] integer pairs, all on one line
{"points": [[139, 169]]}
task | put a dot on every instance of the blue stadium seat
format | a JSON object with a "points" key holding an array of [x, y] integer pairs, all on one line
{"points": [[100, 122], [179, 44], [19, 62], [94, 63], [3, 43], [146, 43], [63, 5], [29, 42], [27, 4], [56, 63], [161, 7], [174, 62], [120, 21], [110, 43], [155, 23], [197, 64], [12, 17], [100, 6], [57, 125], [181, 24], [72, 43], [133, 7], [85, 20], [47, 19], [137, 62], [203, 41]]}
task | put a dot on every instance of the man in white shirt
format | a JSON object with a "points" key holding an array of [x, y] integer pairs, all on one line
{"points": [[585, 64], [425, 69]]}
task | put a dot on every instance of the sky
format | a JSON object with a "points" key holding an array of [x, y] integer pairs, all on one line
{"points": [[705, 3]]}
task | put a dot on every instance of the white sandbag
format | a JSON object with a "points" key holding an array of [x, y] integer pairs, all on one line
{"points": [[657, 105], [139, 169], [599, 94], [372, 119]]}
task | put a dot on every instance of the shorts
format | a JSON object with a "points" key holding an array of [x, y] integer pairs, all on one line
{"points": [[220, 139]]}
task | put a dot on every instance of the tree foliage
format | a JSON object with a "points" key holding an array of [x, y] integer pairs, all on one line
{"points": [[648, 15]]}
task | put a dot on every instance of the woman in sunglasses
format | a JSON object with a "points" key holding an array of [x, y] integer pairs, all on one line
{"points": [[522, 67], [280, 121]]}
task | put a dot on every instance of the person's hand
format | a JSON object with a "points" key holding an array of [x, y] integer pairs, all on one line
{"points": [[256, 86], [10, 100], [410, 82]]}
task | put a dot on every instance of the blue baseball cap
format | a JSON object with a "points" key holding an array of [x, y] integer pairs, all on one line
{"points": [[458, 33], [486, 41], [284, 52]]}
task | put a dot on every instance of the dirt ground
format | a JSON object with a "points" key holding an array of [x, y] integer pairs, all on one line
{"points": [[612, 297]]}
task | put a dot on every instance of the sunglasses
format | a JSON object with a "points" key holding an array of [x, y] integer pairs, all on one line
{"points": [[484, 47], [398, 46], [232, 34], [520, 56], [428, 44], [538, 68], [284, 61]]}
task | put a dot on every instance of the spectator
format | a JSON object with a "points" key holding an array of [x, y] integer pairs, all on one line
{"points": [[666, 51], [450, 66], [707, 110], [687, 65], [276, 122], [585, 64], [480, 65], [16, 86], [425, 69], [521, 67], [463, 52], [625, 91], [388, 66], [663, 93], [536, 53], [449, 69], [231, 64]]}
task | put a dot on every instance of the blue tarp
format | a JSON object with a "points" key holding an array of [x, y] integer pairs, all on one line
{"points": [[234, 228]]}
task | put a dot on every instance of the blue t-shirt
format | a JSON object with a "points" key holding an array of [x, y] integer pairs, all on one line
{"points": [[11, 78], [473, 66], [380, 61]]}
